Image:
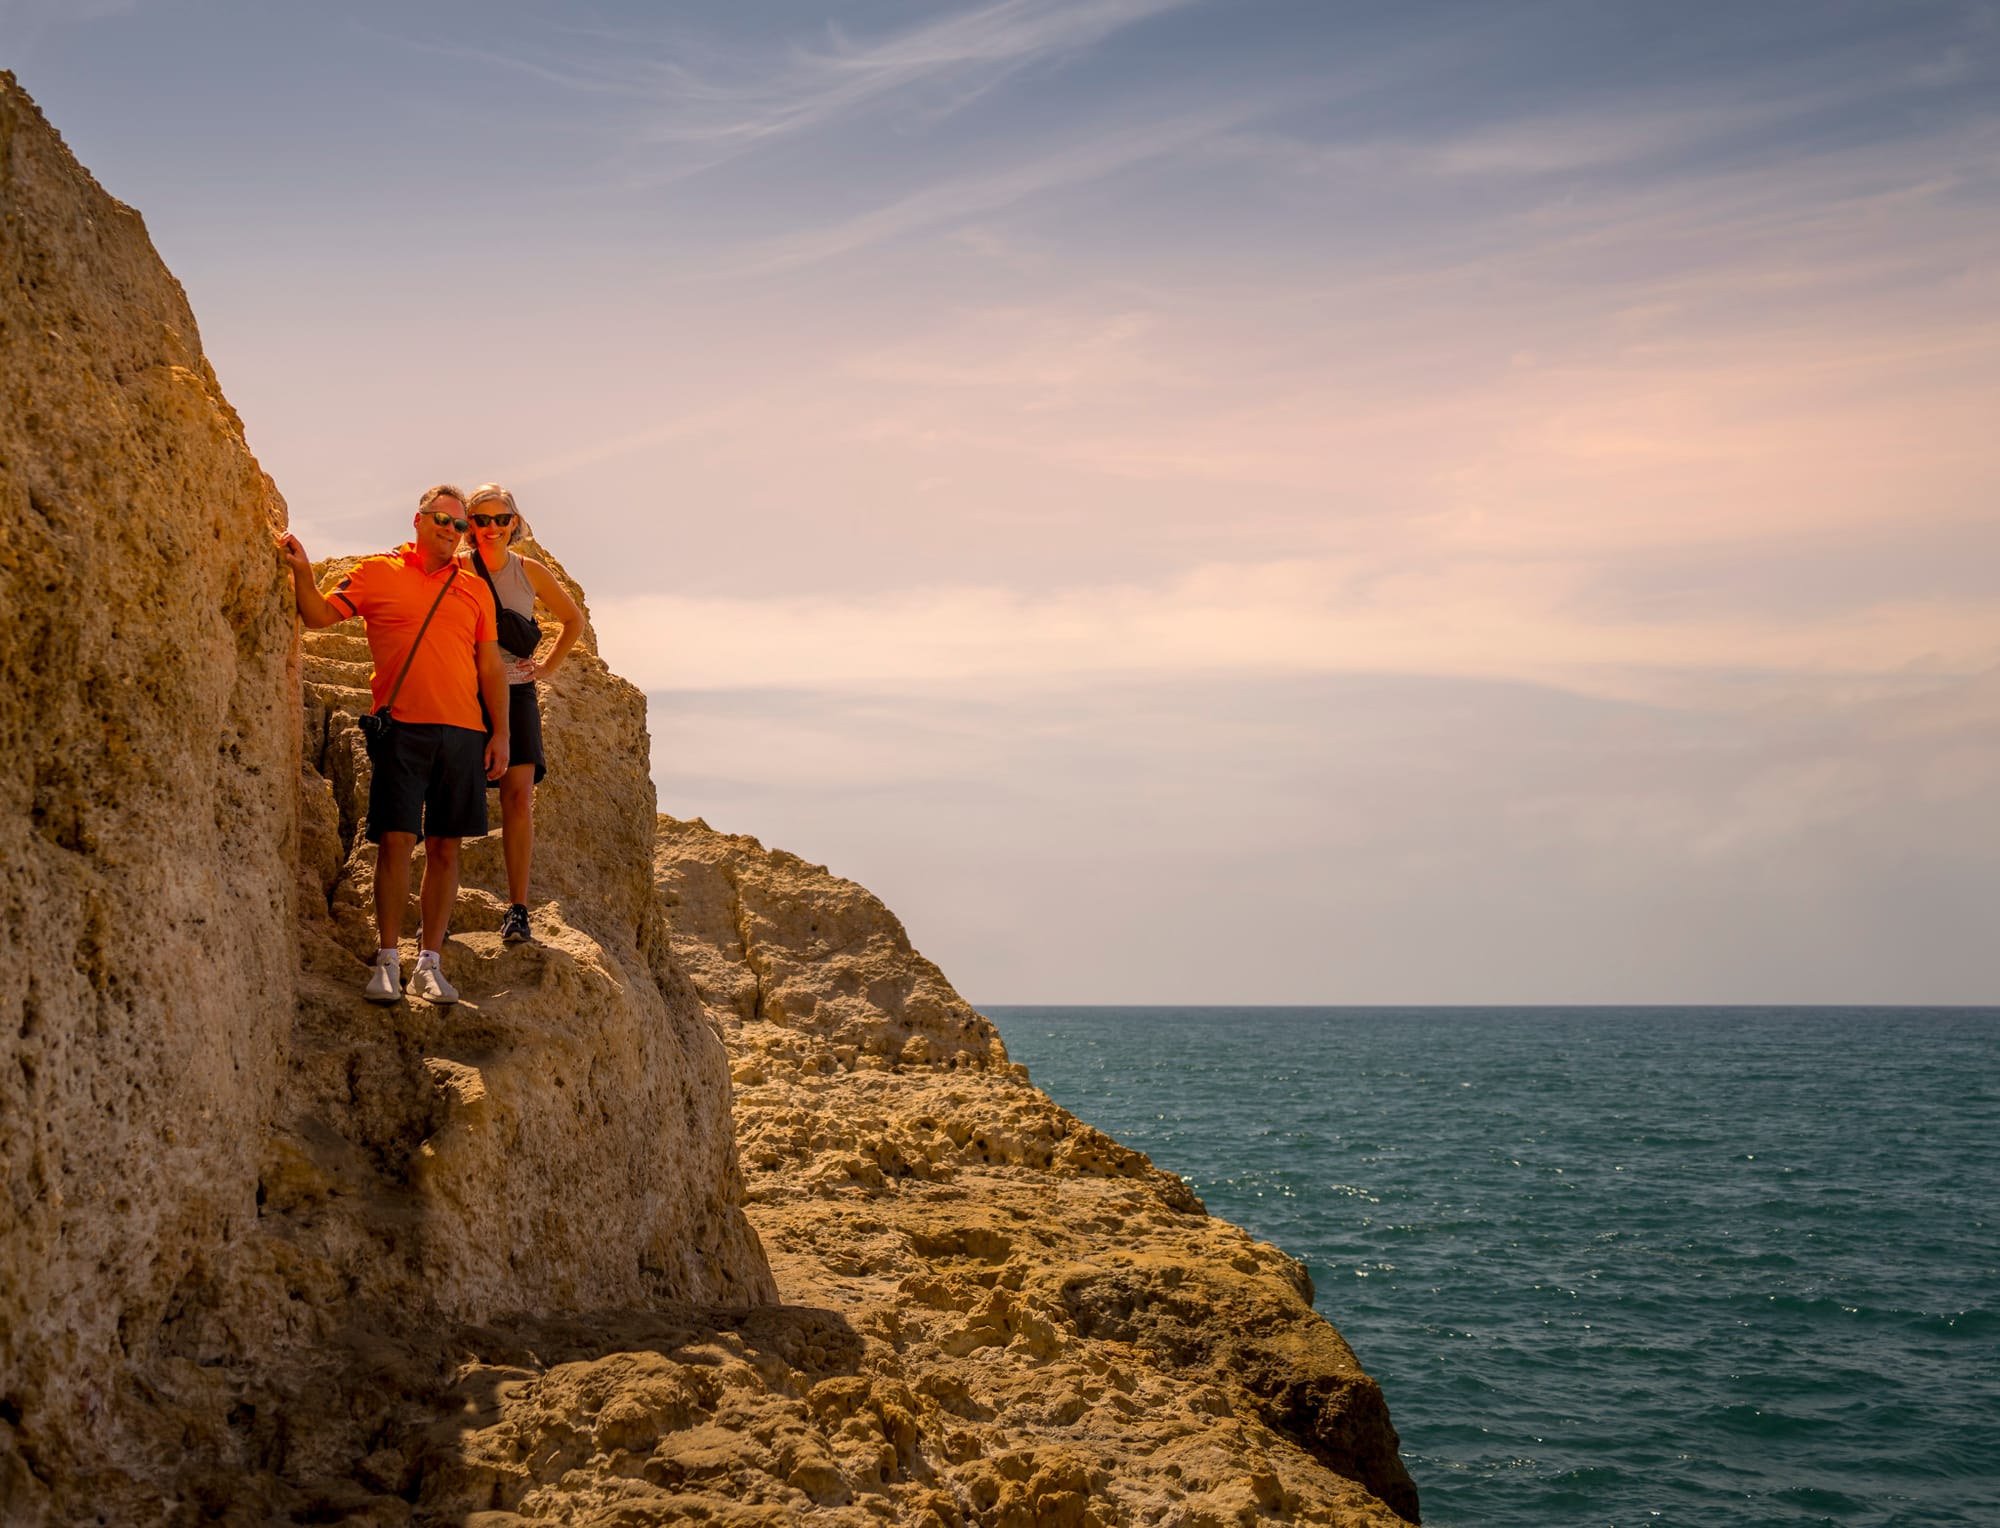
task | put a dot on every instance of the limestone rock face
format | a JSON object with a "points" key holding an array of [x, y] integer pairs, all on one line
{"points": [[578, 1148], [994, 1313], [148, 801], [238, 1205], [1081, 1340]]}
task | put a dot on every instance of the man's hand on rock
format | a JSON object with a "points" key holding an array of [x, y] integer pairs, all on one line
{"points": [[313, 608], [293, 554]]}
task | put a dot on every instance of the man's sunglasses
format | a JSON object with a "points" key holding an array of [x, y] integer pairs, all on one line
{"points": [[439, 517], [503, 521]]}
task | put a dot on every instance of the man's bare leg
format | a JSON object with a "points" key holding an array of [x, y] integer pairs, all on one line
{"points": [[440, 889], [392, 886]]}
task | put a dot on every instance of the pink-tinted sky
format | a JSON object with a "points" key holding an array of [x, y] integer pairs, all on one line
{"points": [[1276, 500]]}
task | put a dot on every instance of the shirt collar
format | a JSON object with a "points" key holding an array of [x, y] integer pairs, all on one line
{"points": [[413, 558]]}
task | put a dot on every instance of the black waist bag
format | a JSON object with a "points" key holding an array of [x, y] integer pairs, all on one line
{"points": [[519, 634], [376, 725]]}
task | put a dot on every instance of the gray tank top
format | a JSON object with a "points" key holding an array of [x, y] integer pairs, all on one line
{"points": [[511, 584], [515, 593]]}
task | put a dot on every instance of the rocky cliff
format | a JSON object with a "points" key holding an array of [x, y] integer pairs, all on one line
{"points": [[1050, 1329], [148, 809], [239, 1206], [268, 1254]]}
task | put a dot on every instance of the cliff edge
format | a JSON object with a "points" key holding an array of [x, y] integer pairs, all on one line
{"points": [[1052, 1329], [715, 1203]]}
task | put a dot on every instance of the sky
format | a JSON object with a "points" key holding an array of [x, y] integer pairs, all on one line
{"points": [[1203, 501]]}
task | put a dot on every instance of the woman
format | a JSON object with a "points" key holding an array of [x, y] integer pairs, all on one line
{"points": [[517, 582]]}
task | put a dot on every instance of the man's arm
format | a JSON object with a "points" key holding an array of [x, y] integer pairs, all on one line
{"points": [[314, 608], [493, 689]]}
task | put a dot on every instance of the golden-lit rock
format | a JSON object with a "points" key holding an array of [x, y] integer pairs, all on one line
{"points": [[993, 1314], [148, 802], [578, 1150], [241, 1205]]}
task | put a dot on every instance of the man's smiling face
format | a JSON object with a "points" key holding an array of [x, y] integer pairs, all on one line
{"points": [[439, 525]]}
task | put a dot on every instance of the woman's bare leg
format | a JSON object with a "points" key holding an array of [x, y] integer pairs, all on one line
{"points": [[517, 828]]}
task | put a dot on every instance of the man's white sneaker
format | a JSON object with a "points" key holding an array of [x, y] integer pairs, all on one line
{"points": [[385, 982], [429, 984]]}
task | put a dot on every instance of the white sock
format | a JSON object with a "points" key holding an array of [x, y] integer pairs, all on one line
{"points": [[427, 957], [388, 955]]}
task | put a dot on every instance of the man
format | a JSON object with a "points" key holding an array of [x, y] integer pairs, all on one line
{"points": [[430, 775]]}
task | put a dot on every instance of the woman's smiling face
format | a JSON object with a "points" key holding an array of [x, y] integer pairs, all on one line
{"points": [[492, 525], [495, 521]]}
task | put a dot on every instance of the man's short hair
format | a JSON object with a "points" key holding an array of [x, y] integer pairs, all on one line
{"points": [[440, 491]]}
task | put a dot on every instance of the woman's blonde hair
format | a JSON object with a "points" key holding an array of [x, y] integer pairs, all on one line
{"points": [[493, 492]]}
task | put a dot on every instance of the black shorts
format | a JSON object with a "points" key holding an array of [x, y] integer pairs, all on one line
{"points": [[524, 728], [429, 779]]}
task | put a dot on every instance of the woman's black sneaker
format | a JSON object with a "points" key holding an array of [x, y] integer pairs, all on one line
{"points": [[514, 927]]}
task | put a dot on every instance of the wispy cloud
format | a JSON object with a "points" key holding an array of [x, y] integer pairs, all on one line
{"points": [[1622, 137], [1502, 620], [1618, 136], [1802, 843], [542, 468], [717, 102], [967, 197], [814, 86]]}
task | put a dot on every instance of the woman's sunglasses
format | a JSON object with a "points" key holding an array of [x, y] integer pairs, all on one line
{"points": [[439, 517], [503, 521]]}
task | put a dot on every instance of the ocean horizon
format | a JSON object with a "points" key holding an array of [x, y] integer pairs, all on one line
{"points": [[1610, 1264]]}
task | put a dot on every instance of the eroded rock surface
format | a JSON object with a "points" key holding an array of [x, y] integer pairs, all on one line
{"points": [[577, 1148], [240, 1208], [148, 788], [994, 1313]]}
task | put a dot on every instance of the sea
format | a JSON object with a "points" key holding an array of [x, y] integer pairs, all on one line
{"points": [[1611, 1266]]}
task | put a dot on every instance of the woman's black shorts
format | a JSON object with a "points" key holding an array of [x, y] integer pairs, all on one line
{"points": [[524, 728]]}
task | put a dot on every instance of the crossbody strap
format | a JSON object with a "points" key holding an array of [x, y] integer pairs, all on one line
{"points": [[479, 565], [500, 607], [391, 701]]}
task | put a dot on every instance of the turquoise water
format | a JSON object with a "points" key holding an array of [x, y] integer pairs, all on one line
{"points": [[1640, 1266]]}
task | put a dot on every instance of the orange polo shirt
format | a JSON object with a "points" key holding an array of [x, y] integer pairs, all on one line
{"points": [[393, 594]]}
